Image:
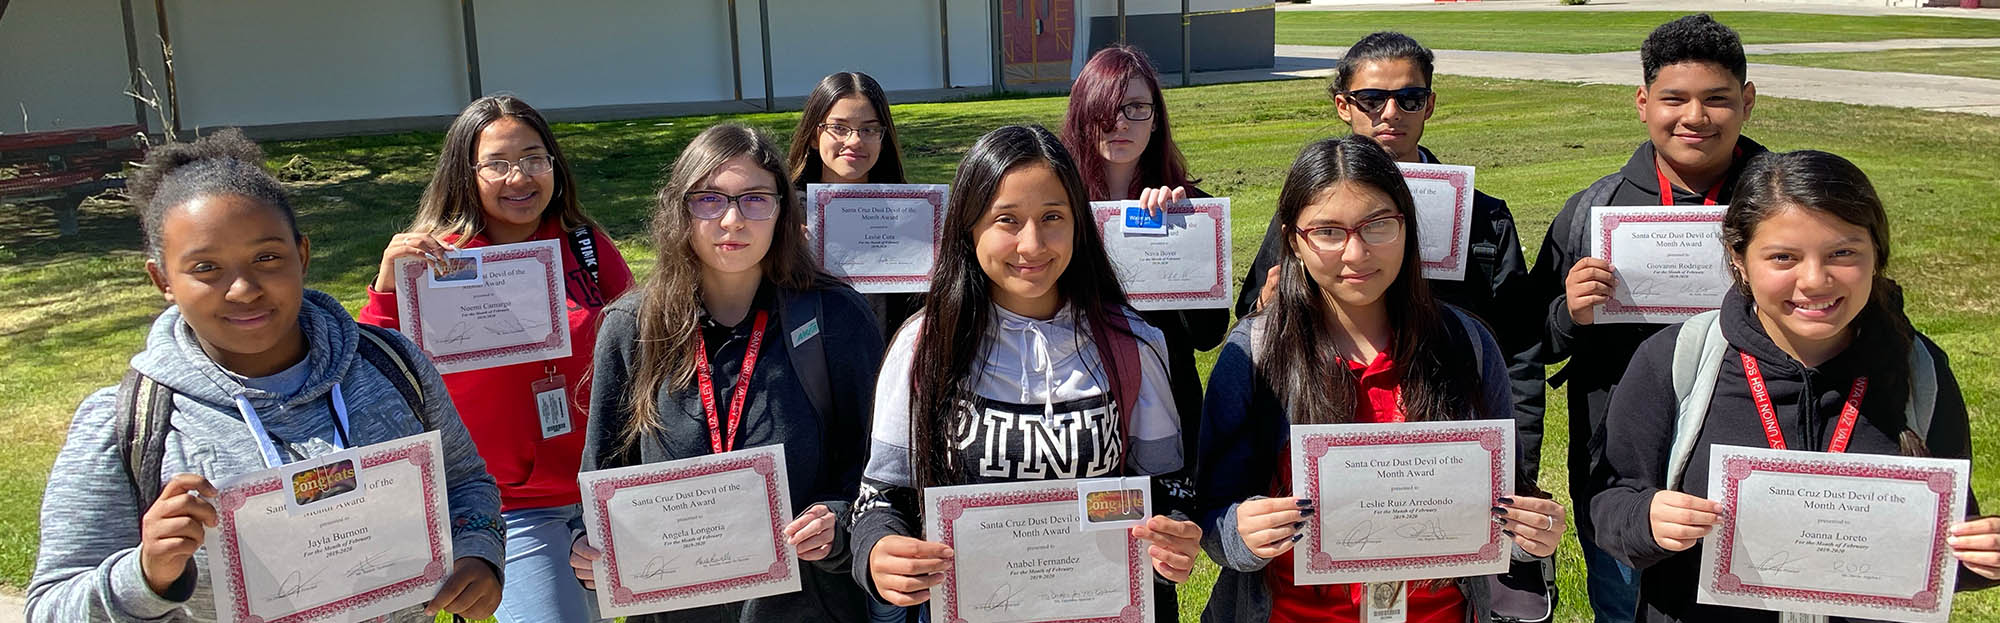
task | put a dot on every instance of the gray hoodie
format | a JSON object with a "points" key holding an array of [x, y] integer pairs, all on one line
{"points": [[88, 566]]}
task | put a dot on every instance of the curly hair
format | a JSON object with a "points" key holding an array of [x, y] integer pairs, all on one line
{"points": [[223, 163], [1696, 38]]}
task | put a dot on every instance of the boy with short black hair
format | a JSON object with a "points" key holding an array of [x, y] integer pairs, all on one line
{"points": [[1694, 102]]}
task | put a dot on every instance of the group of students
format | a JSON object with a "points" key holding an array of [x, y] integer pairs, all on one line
{"points": [[1025, 326]]}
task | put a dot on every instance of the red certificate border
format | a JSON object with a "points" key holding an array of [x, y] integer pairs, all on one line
{"points": [[1138, 572], [558, 310], [1214, 211], [1461, 203], [1316, 445], [780, 570], [232, 499], [1609, 224], [825, 196], [1938, 480]]}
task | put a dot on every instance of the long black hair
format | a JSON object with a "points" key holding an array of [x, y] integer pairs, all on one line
{"points": [[1301, 359], [803, 160], [959, 305]]}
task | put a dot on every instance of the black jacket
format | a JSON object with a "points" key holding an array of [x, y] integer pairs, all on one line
{"points": [[1495, 289], [1808, 402], [1598, 353]]}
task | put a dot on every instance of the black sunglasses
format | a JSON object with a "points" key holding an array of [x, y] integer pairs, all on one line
{"points": [[1410, 99]]}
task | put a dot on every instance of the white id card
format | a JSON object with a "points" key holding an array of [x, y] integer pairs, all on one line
{"points": [[552, 404], [1386, 602]]}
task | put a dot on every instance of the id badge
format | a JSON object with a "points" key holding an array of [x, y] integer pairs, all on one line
{"points": [[1386, 602], [552, 405]]}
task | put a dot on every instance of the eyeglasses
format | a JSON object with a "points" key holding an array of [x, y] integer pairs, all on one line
{"points": [[1410, 99], [1136, 111], [710, 205], [530, 166], [869, 134], [1373, 232]]}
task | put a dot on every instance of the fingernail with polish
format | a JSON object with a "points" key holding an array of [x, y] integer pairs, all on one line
{"points": [[1304, 502], [1507, 500], [1499, 511], [1298, 525], [1308, 512], [1296, 537], [1509, 533]]}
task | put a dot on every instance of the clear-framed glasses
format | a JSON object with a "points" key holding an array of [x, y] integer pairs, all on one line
{"points": [[1376, 231], [869, 134], [709, 205], [1136, 111], [530, 166]]}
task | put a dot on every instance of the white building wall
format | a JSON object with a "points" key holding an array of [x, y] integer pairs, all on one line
{"points": [[63, 63], [612, 52]]}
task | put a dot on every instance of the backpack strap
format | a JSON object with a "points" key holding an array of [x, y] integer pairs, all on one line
{"points": [[1698, 353], [800, 319], [1923, 390], [376, 350], [583, 246], [145, 407], [1118, 349]]}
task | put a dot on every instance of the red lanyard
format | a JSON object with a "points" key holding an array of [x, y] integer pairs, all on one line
{"points": [[716, 440], [1667, 189], [1849, 412]]}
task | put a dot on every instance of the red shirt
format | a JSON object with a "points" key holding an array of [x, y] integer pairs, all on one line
{"points": [[497, 404], [1377, 391]]}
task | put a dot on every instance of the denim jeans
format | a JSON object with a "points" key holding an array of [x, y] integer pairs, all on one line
{"points": [[540, 585], [1614, 587]]}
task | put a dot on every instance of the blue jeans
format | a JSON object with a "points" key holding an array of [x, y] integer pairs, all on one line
{"points": [[540, 585], [1614, 587]]}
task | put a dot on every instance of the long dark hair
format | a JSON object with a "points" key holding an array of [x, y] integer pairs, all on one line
{"points": [[1300, 358], [451, 202], [803, 161], [1821, 182], [959, 305], [1093, 107]]}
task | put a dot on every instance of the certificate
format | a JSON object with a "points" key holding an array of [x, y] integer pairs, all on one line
{"points": [[1443, 194], [876, 237], [1406, 501], [515, 312], [1184, 265], [1833, 534], [1021, 558], [689, 533], [341, 537], [1669, 261]]}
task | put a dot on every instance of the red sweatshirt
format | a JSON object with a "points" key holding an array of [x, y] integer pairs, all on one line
{"points": [[497, 404]]}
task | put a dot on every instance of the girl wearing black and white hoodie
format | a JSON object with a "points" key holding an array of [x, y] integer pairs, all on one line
{"points": [[1810, 314], [261, 371], [1024, 327]]}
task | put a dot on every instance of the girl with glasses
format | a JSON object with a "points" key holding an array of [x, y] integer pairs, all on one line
{"points": [[501, 178], [714, 335], [1352, 336], [846, 136]]}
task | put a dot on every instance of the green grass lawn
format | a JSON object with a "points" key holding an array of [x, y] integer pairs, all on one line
{"points": [[75, 309], [1601, 31], [1969, 62]]}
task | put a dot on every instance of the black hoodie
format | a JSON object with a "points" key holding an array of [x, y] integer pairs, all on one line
{"points": [[1808, 402], [1598, 353]]}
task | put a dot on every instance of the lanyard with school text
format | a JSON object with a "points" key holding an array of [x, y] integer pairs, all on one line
{"points": [[716, 440], [268, 444], [1842, 431]]}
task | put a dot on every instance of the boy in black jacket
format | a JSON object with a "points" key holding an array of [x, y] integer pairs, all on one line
{"points": [[1694, 102], [1381, 89]]}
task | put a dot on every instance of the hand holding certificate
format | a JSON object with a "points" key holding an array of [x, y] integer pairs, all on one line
{"points": [[1179, 260], [876, 237], [689, 533], [1833, 534], [1034, 560], [1403, 501], [1443, 194], [1669, 261], [486, 306], [341, 537]]}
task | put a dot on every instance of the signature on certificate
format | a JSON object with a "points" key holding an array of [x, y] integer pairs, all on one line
{"points": [[1004, 597], [1423, 530], [657, 566], [1359, 537], [371, 564], [1778, 562], [506, 325], [459, 333], [1070, 597], [297, 584], [717, 560]]}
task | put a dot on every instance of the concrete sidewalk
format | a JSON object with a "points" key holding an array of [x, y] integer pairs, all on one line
{"points": [[13, 609], [1686, 6]]}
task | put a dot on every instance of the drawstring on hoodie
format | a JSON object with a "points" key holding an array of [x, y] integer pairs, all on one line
{"points": [[1035, 351], [269, 444]]}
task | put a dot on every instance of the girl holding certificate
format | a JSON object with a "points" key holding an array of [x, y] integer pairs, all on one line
{"points": [[719, 329], [845, 136], [246, 370], [1025, 326], [1817, 324], [501, 179], [1350, 298]]}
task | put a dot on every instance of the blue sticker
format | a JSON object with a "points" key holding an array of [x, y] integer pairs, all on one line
{"points": [[1138, 218]]}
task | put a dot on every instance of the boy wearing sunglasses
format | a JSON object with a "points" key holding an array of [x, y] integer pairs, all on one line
{"points": [[1382, 89], [1694, 101]]}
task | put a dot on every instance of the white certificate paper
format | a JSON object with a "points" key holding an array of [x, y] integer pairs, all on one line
{"points": [[1443, 193], [1833, 534], [689, 533], [1023, 559], [1669, 261], [383, 548], [1406, 501], [876, 237], [1188, 266], [516, 313]]}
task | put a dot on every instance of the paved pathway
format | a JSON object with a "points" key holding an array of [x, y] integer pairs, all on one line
{"points": [[12, 608], [1797, 6]]}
